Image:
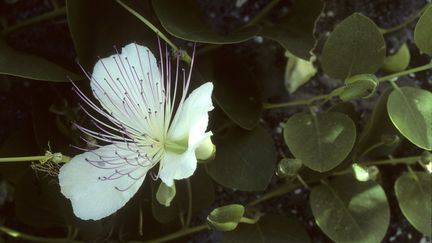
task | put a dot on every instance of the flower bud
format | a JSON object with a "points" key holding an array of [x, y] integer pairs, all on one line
{"points": [[165, 194], [359, 86], [288, 167], [426, 158], [226, 218], [206, 150]]}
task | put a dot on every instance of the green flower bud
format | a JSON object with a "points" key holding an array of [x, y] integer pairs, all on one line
{"points": [[226, 218], [288, 167], [397, 62], [206, 150], [426, 157], [165, 194], [359, 86]]}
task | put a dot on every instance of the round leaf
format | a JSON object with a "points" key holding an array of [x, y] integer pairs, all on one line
{"points": [[356, 46], [244, 160], [321, 141], [269, 229], [422, 32], [226, 218], [410, 110], [351, 211], [183, 19], [414, 193]]}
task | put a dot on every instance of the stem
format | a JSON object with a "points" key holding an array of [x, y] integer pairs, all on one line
{"points": [[189, 212], [404, 160], [185, 56], [405, 23], [276, 192], [22, 159], [263, 13], [249, 220], [295, 102], [179, 233], [369, 149], [255, 20], [406, 72], [50, 15], [23, 236]]}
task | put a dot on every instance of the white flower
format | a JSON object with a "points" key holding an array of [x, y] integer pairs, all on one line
{"points": [[139, 100]]}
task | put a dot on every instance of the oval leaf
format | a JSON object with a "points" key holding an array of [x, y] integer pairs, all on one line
{"points": [[295, 31], [183, 19], [410, 110], [351, 211], [321, 141], [356, 46], [414, 194], [244, 160], [422, 32], [235, 88], [269, 229], [24, 65], [95, 33]]}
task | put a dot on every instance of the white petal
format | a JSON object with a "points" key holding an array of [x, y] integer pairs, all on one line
{"points": [[190, 122], [128, 85], [175, 166], [100, 182]]}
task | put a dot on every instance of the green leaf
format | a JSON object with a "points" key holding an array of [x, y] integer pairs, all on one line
{"points": [[97, 26], [295, 31], [414, 194], [269, 229], [346, 108], [377, 127], [24, 65], [298, 72], [165, 194], [226, 218], [351, 211], [410, 110], [39, 203], [183, 19], [356, 46], [245, 160], [321, 141], [203, 196], [422, 33], [235, 88], [398, 61]]}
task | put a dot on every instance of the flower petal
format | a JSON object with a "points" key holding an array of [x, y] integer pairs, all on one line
{"points": [[191, 120], [175, 166], [128, 85], [100, 182]]}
